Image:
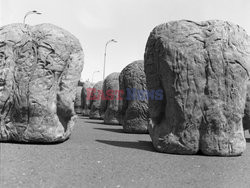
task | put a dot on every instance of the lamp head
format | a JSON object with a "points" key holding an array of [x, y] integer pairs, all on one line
{"points": [[34, 11], [113, 40]]}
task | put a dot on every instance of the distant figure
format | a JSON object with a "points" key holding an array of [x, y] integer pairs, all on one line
{"points": [[95, 103], [109, 106], [134, 106]]}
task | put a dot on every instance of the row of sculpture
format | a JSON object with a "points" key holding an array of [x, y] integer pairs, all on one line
{"points": [[201, 69], [132, 114]]}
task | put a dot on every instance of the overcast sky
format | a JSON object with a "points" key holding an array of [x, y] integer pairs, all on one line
{"points": [[94, 22]]}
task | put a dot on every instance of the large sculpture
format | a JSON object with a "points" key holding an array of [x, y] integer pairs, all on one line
{"points": [[133, 108], [40, 69], [95, 101], [110, 99], [202, 68]]}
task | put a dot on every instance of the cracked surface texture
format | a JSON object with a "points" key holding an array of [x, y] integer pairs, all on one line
{"points": [[134, 113], [40, 69], [109, 108], [203, 69], [95, 104]]}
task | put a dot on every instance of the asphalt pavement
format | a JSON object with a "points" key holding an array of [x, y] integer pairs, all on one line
{"points": [[98, 155]]}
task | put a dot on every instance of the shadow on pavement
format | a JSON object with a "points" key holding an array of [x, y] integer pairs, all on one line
{"points": [[248, 140], [35, 142], [111, 130], [142, 145]]}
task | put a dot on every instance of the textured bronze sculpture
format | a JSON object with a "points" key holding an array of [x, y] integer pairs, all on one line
{"points": [[133, 109], [203, 69], [40, 69]]}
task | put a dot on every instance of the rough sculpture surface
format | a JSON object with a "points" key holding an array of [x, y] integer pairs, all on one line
{"points": [[40, 69], [133, 111], [203, 69], [109, 106], [95, 103]]}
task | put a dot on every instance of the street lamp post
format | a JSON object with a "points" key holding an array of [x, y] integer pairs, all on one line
{"points": [[93, 74], [28, 13], [105, 53]]}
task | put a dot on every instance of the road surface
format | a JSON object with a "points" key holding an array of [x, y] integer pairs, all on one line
{"points": [[99, 155]]}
